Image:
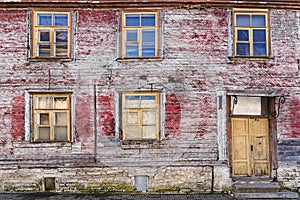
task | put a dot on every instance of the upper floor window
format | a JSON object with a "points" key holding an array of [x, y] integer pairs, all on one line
{"points": [[51, 34], [141, 116], [51, 117], [140, 34], [251, 33]]}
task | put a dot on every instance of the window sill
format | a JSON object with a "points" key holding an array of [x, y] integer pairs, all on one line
{"points": [[140, 59], [50, 59], [38, 144], [255, 58], [141, 144]]}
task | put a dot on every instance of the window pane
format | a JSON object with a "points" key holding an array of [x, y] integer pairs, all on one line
{"points": [[149, 117], [61, 49], [148, 35], [148, 50], [258, 20], [131, 36], [61, 36], [61, 118], [44, 102], [132, 118], [43, 133], [131, 132], [61, 133], [243, 20], [259, 35], [132, 101], [61, 20], [132, 20], [259, 49], [60, 102], [44, 36], [242, 49], [148, 101], [43, 49], [149, 132], [243, 35], [44, 19], [44, 119], [148, 97], [148, 20], [132, 50]]}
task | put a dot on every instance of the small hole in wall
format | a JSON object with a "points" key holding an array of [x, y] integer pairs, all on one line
{"points": [[49, 184]]}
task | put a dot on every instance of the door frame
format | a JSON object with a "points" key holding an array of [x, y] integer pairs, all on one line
{"points": [[268, 104]]}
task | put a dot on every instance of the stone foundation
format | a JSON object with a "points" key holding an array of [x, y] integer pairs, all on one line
{"points": [[289, 176], [164, 179]]}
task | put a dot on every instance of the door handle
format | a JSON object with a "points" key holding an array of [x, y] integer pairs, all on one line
{"points": [[251, 147]]}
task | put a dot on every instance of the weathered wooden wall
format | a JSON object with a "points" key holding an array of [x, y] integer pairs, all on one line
{"points": [[194, 67]]}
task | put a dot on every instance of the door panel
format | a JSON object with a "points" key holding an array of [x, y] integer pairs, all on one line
{"points": [[240, 152], [259, 132], [250, 147]]}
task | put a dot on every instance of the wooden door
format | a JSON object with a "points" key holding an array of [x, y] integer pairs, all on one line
{"points": [[250, 147]]}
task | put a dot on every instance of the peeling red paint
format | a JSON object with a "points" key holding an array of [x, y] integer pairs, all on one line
{"points": [[17, 118], [103, 17], [107, 120], [173, 115], [84, 117], [294, 112]]}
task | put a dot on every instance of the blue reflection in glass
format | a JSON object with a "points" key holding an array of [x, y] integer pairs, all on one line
{"points": [[44, 36], [258, 20], [243, 35], [242, 49], [131, 36], [148, 35], [132, 50], [259, 35], [61, 20], [148, 50], [132, 20], [61, 36], [148, 20], [148, 97], [44, 20], [259, 49], [132, 97], [242, 20]]}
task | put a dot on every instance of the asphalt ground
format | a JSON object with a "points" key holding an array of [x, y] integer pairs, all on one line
{"points": [[122, 196]]}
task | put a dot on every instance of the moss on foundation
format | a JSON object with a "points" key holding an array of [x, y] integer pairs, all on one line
{"points": [[166, 189], [101, 187]]}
